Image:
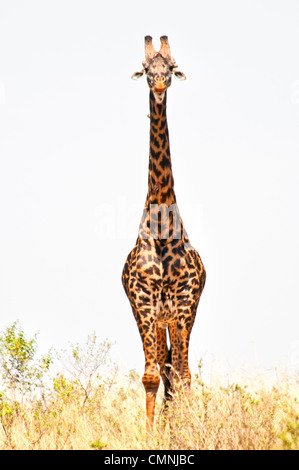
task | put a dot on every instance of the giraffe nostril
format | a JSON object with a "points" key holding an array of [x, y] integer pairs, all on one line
{"points": [[159, 78]]}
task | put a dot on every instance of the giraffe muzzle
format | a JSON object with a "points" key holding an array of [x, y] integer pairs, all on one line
{"points": [[159, 84], [160, 88]]}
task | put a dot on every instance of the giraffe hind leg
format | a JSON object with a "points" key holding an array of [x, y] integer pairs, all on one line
{"points": [[168, 389]]}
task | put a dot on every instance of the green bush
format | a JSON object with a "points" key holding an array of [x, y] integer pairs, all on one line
{"points": [[21, 370]]}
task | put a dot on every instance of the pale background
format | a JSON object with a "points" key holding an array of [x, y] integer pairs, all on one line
{"points": [[74, 158]]}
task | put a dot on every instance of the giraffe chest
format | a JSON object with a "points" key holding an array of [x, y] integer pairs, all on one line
{"points": [[161, 279], [161, 268]]}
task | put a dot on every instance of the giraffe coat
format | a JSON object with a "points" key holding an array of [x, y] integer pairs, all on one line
{"points": [[163, 276]]}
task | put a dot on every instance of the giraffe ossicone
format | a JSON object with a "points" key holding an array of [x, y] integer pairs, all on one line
{"points": [[163, 276]]}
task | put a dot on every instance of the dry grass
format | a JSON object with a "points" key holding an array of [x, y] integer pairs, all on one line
{"points": [[113, 417]]}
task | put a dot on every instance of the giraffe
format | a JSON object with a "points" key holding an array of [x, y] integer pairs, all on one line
{"points": [[163, 275]]}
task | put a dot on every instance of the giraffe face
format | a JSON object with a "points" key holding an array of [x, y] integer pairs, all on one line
{"points": [[158, 74], [159, 68]]}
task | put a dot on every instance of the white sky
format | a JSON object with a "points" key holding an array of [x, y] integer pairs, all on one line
{"points": [[74, 140]]}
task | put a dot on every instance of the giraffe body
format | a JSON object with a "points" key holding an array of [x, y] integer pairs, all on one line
{"points": [[163, 276]]}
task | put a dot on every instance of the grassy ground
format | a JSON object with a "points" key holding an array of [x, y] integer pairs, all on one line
{"points": [[82, 406], [113, 417]]}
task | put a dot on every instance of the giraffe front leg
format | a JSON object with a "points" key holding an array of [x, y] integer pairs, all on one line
{"points": [[162, 351], [151, 381], [184, 326], [179, 331], [151, 376]]}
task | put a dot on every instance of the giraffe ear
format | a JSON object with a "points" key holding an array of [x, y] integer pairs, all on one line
{"points": [[138, 75], [179, 75]]}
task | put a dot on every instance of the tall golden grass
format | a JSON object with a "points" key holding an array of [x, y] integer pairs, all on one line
{"points": [[112, 416]]}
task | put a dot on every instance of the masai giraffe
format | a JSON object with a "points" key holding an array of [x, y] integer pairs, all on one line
{"points": [[163, 275]]}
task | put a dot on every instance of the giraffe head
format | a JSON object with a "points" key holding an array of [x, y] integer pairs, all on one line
{"points": [[159, 68]]}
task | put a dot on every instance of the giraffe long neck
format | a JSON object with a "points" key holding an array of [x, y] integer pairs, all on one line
{"points": [[160, 178], [161, 220]]}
